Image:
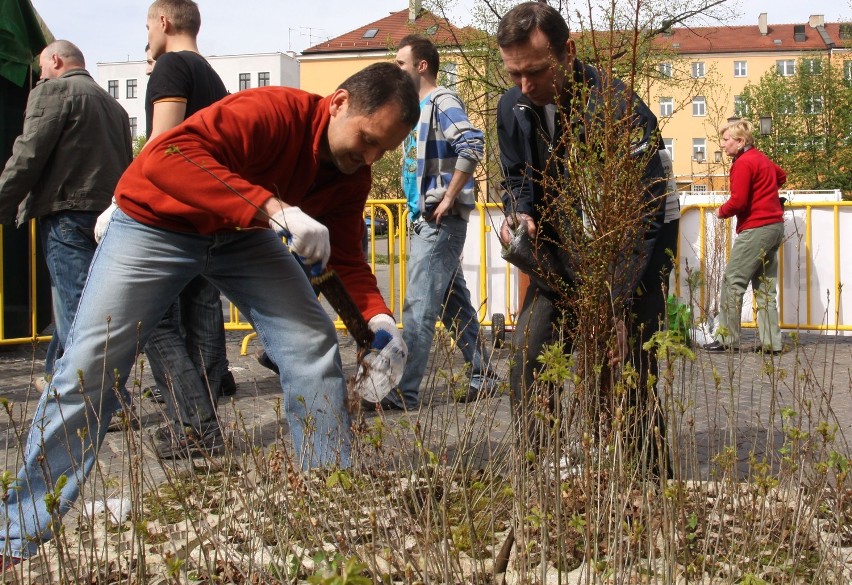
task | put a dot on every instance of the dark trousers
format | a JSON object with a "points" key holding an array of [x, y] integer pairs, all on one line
{"points": [[542, 321]]}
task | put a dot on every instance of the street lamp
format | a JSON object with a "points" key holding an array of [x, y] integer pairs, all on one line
{"points": [[718, 156], [765, 125]]}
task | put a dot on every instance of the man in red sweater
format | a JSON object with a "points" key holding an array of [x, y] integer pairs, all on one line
{"points": [[200, 200], [755, 180]]}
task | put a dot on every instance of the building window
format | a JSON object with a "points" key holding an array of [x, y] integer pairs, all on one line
{"points": [[812, 66], [665, 69], [740, 107], [847, 72], [245, 80], [699, 106], [812, 105], [131, 89], [699, 188], [112, 88], [740, 69], [370, 33], [449, 76], [263, 79], [666, 107], [669, 144], [786, 67], [699, 149], [134, 128], [698, 69], [787, 104]]}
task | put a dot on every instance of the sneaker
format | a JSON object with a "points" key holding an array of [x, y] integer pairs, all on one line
{"points": [[121, 421], [175, 443], [718, 347], [769, 351], [481, 386], [264, 361], [384, 404], [569, 464], [154, 394], [229, 385]]}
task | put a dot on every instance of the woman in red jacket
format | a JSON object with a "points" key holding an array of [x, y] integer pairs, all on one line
{"points": [[755, 180]]}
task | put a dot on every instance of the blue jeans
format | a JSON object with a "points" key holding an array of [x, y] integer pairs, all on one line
{"points": [[68, 241], [436, 290], [137, 273], [188, 366]]}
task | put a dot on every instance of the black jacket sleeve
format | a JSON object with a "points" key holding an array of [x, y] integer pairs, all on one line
{"points": [[518, 191]]}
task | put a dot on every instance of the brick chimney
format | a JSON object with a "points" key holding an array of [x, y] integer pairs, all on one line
{"points": [[763, 23], [413, 10]]}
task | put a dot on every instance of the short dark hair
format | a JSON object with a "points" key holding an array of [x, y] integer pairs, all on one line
{"points": [[67, 51], [183, 14], [423, 49], [518, 24], [379, 84]]}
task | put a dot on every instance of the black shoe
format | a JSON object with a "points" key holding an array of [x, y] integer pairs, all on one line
{"points": [[154, 393], [121, 421], [174, 443], [718, 347], [264, 361], [480, 386], [229, 385], [383, 404]]}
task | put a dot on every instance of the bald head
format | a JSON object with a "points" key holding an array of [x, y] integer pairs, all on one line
{"points": [[59, 57]]}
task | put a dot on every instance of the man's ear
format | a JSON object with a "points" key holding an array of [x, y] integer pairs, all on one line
{"points": [[339, 102], [570, 49]]}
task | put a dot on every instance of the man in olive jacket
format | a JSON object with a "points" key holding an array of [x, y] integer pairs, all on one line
{"points": [[63, 171]]}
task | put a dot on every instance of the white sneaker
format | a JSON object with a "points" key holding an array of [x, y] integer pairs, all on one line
{"points": [[570, 463]]}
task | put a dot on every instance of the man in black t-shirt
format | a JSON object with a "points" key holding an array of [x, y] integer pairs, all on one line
{"points": [[187, 349]]}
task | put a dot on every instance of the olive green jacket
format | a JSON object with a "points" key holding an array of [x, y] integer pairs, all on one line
{"points": [[75, 146]]}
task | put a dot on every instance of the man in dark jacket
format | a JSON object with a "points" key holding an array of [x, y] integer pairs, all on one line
{"points": [[63, 170], [558, 104]]}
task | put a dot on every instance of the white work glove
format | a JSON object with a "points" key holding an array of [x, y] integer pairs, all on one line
{"points": [[307, 237], [103, 221], [381, 369]]}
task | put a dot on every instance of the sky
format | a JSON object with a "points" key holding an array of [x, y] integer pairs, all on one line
{"points": [[114, 30]]}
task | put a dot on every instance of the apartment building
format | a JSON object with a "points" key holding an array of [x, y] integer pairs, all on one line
{"points": [[699, 87], [126, 80]]}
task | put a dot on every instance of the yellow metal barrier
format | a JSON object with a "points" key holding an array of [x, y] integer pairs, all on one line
{"points": [[31, 282], [393, 281]]}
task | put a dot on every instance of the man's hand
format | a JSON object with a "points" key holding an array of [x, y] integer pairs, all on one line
{"points": [[308, 237], [511, 223], [442, 209], [103, 221], [381, 369]]}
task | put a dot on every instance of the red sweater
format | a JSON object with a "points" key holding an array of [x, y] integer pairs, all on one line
{"points": [[754, 191], [261, 142]]}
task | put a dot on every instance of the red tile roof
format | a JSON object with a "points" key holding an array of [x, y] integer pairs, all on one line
{"points": [[390, 30], [740, 39]]}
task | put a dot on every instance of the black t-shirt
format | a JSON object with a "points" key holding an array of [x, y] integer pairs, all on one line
{"points": [[183, 76]]}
